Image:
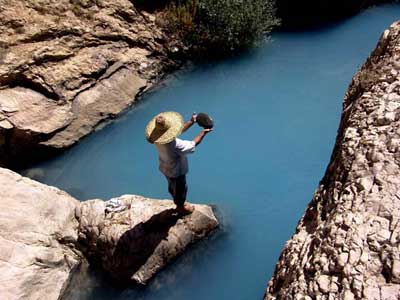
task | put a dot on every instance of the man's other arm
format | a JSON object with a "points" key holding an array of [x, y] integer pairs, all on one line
{"points": [[197, 140]]}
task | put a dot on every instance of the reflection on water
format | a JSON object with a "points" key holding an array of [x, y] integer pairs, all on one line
{"points": [[276, 111]]}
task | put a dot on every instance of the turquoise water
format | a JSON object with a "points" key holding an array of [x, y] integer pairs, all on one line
{"points": [[276, 111]]}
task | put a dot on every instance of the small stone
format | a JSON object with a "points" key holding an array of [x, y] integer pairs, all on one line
{"points": [[390, 292], [364, 256], [386, 119], [348, 295], [371, 293], [342, 259], [5, 124], [396, 271], [354, 256], [366, 183], [323, 283], [383, 235]]}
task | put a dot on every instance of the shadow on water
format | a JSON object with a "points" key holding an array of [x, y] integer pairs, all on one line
{"points": [[141, 241]]}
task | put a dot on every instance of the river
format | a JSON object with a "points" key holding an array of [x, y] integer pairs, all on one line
{"points": [[276, 110]]}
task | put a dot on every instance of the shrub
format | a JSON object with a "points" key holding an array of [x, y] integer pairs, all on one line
{"points": [[218, 27]]}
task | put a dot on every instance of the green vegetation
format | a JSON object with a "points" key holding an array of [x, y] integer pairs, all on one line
{"points": [[218, 27]]}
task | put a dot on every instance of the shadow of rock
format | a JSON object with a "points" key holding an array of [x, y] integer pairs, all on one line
{"points": [[136, 245]]}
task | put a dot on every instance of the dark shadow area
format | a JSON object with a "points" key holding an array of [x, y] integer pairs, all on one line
{"points": [[136, 245], [309, 14], [150, 6]]}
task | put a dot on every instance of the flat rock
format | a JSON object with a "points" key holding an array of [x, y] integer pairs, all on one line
{"points": [[134, 244], [30, 111], [108, 97], [346, 245]]}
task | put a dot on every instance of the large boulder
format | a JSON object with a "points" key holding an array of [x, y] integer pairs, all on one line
{"points": [[134, 244], [347, 244], [38, 233], [45, 236], [66, 66]]}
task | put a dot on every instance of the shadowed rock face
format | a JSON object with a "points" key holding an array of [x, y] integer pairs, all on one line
{"points": [[65, 66], [45, 235], [347, 244]]}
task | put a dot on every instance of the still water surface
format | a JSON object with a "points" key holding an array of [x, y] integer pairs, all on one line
{"points": [[276, 111]]}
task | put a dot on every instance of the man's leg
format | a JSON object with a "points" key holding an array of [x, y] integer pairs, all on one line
{"points": [[181, 191], [178, 189], [171, 186]]}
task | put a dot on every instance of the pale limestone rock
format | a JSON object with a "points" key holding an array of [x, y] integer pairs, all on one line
{"points": [[348, 295], [30, 111], [138, 242], [323, 283], [109, 97], [371, 293], [38, 231], [390, 292], [353, 219], [45, 235], [68, 67]]}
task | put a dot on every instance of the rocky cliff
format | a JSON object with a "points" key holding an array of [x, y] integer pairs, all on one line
{"points": [[68, 65], [347, 244], [45, 235]]}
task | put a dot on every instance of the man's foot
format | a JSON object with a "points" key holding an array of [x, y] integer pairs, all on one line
{"points": [[186, 209]]}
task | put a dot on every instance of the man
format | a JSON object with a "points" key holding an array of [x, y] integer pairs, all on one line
{"points": [[162, 131]]}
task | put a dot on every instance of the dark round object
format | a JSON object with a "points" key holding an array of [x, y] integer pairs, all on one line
{"points": [[204, 121]]}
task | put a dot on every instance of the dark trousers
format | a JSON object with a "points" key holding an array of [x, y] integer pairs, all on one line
{"points": [[178, 189]]}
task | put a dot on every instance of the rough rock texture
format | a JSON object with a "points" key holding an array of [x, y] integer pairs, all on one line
{"points": [[45, 235], [134, 244], [38, 231], [67, 65], [347, 245]]}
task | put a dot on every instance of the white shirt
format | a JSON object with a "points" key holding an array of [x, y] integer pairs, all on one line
{"points": [[172, 157]]}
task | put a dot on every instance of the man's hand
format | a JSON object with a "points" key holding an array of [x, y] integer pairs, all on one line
{"points": [[197, 140], [189, 123], [194, 116]]}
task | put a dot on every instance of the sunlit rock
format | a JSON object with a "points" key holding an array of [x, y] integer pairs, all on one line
{"points": [[133, 244], [45, 234], [65, 68]]}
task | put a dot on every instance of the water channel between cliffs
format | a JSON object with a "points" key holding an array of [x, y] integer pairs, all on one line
{"points": [[276, 111]]}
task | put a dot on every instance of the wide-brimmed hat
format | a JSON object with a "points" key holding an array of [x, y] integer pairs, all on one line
{"points": [[164, 127]]}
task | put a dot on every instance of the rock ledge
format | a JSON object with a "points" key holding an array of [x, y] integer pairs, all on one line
{"points": [[45, 235], [66, 68]]}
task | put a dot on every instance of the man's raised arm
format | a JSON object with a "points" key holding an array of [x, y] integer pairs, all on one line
{"points": [[189, 123]]}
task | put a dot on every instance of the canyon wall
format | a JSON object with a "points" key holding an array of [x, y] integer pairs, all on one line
{"points": [[347, 244]]}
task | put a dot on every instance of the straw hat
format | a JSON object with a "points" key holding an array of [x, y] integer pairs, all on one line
{"points": [[164, 127]]}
